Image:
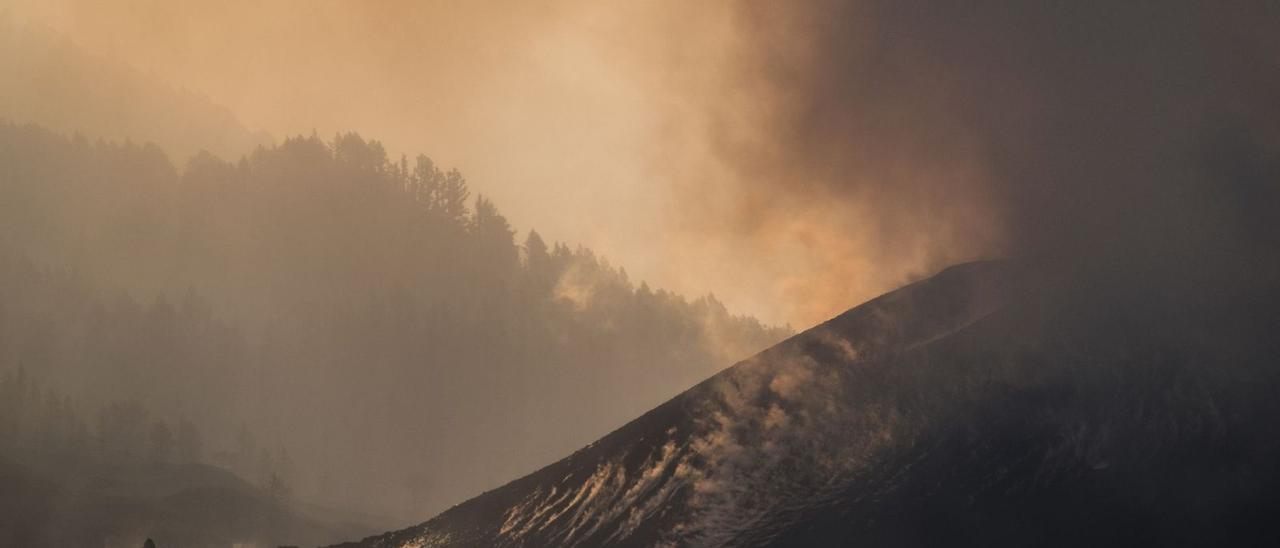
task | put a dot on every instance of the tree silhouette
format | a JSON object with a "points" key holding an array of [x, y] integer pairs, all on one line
{"points": [[189, 442], [161, 442], [319, 283]]}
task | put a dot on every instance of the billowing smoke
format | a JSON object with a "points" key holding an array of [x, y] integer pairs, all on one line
{"points": [[794, 159], [1139, 138], [1131, 149]]}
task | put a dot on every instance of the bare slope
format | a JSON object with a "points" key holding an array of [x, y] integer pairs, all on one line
{"points": [[970, 409], [667, 475]]}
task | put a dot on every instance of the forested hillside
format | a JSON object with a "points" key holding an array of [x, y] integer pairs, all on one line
{"points": [[356, 309], [47, 79]]}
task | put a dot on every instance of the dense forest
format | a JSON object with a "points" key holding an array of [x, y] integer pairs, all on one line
{"points": [[371, 318]]}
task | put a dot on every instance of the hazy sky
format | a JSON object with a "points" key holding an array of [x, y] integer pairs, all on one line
{"points": [[793, 159], [614, 125]]}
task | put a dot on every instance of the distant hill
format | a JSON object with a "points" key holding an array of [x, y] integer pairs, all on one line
{"points": [[48, 500], [333, 299], [974, 408], [48, 80]]}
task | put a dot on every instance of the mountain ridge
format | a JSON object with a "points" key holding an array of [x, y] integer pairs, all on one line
{"points": [[662, 440], [989, 405]]}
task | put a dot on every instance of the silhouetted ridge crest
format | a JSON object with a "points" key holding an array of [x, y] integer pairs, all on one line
{"points": [[983, 406]]}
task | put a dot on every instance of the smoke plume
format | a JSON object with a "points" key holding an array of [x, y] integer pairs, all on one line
{"points": [[1134, 139]]}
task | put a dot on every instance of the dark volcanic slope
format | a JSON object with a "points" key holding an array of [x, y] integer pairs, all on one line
{"points": [[635, 485], [961, 410]]}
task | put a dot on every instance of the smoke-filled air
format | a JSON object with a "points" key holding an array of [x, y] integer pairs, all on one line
{"points": [[572, 273]]}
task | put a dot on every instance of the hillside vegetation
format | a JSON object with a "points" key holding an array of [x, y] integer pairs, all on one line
{"points": [[356, 310]]}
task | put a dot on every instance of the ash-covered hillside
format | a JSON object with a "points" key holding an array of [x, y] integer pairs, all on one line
{"points": [[975, 408]]}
